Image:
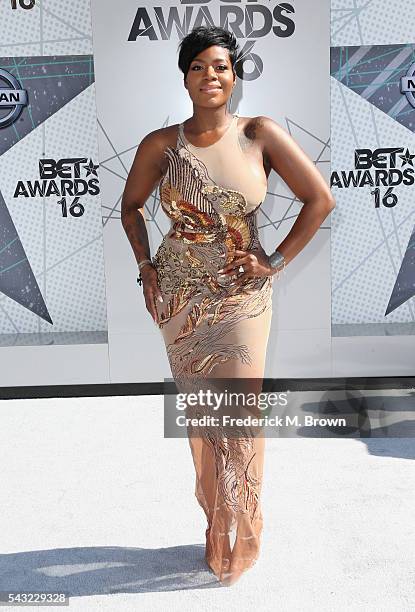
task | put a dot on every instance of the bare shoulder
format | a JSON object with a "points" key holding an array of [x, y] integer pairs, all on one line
{"points": [[160, 139], [152, 148]]}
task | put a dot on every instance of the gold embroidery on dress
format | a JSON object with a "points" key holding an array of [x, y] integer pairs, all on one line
{"points": [[221, 314], [229, 200], [175, 304]]}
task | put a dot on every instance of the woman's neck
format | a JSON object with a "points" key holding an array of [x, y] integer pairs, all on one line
{"points": [[208, 120]]}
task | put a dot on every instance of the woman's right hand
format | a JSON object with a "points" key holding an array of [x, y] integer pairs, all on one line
{"points": [[151, 290]]}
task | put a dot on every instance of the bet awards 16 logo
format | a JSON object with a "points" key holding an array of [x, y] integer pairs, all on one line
{"points": [[158, 24], [72, 177], [388, 167]]}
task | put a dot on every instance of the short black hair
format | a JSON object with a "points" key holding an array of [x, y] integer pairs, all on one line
{"points": [[202, 38]]}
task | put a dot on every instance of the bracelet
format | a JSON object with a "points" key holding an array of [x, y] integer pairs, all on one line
{"points": [[144, 262], [141, 264], [276, 259]]}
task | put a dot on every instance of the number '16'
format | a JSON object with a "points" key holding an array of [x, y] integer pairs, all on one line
{"points": [[24, 4], [76, 209], [389, 199]]}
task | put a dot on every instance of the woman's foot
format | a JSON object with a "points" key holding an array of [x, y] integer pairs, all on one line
{"points": [[229, 578]]}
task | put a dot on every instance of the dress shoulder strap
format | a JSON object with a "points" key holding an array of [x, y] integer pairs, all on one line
{"points": [[181, 141]]}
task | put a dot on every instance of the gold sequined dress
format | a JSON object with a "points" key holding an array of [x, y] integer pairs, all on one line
{"points": [[212, 329]]}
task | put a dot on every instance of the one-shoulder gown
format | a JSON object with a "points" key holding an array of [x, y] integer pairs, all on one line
{"points": [[212, 329]]}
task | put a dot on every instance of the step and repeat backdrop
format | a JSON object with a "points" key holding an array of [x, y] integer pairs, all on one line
{"points": [[53, 308], [372, 179], [82, 83]]}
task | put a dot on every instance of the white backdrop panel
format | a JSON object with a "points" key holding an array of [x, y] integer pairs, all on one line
{"points": [[140, 89]]}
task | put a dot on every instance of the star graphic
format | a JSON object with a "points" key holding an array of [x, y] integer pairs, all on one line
{"points": [[91, 168], [407, 158], [17, 279]]}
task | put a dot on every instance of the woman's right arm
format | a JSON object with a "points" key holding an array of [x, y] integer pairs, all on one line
{"points": [[145, 173]]}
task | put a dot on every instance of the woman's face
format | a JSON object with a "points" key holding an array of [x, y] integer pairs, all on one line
{"points": [[210, 78]]}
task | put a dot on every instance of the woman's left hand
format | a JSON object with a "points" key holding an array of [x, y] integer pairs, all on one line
{"points": [[255, 263]]}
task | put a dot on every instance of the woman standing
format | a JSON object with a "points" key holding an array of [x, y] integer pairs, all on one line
{"points": [[209, 286]]}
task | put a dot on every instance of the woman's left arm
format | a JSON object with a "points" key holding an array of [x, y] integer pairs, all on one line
{"points": [[304, 180]]}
